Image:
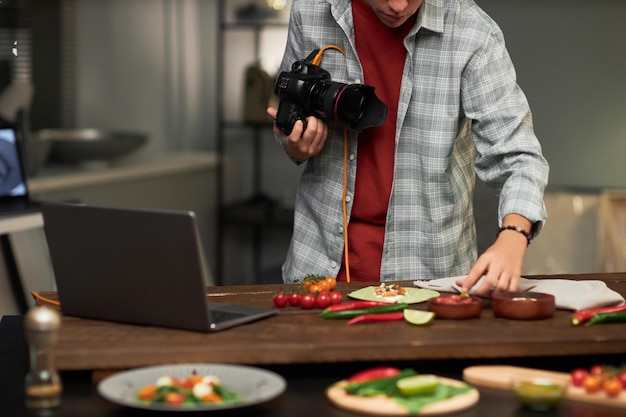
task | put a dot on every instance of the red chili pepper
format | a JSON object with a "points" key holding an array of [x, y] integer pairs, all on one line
{"points": [[398, 315], [374, 373], [583, 316], [355, 305]]}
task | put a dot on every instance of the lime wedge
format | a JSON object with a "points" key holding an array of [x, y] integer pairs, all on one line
{"points": [[418, 317], [417, 385]]}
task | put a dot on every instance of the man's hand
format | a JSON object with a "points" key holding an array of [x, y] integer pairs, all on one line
{"points": [[301, 145], [502, 263]]}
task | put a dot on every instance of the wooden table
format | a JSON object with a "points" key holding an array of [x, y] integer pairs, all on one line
{"points": [[312, 353], [297, 336]]}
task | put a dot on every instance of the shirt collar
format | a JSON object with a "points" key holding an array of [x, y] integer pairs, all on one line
{"points": [[430, 15]]}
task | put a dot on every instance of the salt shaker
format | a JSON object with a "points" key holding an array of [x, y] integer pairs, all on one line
{"points": [[43, 384]]}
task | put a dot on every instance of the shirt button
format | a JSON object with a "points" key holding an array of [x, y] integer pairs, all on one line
{"points": [[333, 264], [357, 81], [352, 157], [348, 199], [340, 229]]}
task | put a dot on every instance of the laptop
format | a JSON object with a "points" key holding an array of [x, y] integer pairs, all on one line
{"points": [[135, 266], [14, 197]]}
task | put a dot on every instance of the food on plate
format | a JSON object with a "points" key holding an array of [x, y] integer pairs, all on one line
{"points": [[539, 393], [600, 378], [390, 292], [583, 316], [374, 373], [188, 391], [408, 295], [403, 392], [455, 307], [417, 385]]}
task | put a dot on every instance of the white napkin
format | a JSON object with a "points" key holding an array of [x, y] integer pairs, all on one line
{"points": [[568, 294]]}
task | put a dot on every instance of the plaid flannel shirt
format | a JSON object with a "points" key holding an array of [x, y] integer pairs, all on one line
{"points": [[461, 114]]}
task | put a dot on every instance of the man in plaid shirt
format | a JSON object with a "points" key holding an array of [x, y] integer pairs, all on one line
{"points": [[454, 111]]}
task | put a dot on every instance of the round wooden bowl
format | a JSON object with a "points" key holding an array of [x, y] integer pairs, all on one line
{"points": [[455, 307], [523, 305]]}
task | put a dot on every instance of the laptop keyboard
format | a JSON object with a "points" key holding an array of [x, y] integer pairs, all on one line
{"points": [[222, 316]]}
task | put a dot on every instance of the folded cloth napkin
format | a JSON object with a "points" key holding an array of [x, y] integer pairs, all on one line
{"points": [[568, 294]]}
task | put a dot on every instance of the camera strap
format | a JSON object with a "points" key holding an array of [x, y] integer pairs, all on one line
{"points": [[346, 142]]}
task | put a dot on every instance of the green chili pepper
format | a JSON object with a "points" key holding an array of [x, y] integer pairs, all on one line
{"points": [[599, 318], [348, 314]]}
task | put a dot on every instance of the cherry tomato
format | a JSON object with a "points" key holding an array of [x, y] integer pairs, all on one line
{"points": [[294, 299], [315, 288], [578, 376], [331, 281], [612, 387], [335, 297], [307, 301], [592, 383], [147, 393], [322, 300], [280, 299], [596, 370], [174, 398], [621, 375]]}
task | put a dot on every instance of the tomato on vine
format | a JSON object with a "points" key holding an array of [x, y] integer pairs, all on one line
{"points": [[612, 387], [578, 376], [322, 300], [307, 301], [331, 281], [280, 299], [335, 297], [294, 299]]}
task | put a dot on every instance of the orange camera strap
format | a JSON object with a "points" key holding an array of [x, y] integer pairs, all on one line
{"points": [[346, 141]]}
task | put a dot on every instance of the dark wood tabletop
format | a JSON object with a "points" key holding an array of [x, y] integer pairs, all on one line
{"points": [[297, 336], [311, 353]]}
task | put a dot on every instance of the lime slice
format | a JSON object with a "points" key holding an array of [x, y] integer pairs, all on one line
{"points": [[417, 385], [418, 317]]}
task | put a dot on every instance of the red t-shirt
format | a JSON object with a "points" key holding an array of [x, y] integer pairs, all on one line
{"points": [[382, 55]]}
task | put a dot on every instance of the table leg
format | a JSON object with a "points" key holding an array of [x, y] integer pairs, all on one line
{"points": [[13, 273]]}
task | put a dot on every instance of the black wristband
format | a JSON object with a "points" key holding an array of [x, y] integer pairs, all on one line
{"points": [[516, 229]]}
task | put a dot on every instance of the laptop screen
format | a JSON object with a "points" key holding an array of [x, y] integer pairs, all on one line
{"points": [[12, 182]]}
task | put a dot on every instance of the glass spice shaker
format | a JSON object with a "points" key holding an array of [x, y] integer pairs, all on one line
{"points": [[43, 384]]}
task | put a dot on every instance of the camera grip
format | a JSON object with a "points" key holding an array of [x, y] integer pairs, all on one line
{"points": [[287, 115]]}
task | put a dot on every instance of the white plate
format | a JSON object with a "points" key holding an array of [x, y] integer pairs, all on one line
{"points": [[253, 384]]}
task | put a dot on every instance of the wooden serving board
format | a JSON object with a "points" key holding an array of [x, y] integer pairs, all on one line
{"points": [[502, 377], [383, 405]]}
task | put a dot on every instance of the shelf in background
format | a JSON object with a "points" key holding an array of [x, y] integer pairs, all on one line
{"points": [[259, 210]]}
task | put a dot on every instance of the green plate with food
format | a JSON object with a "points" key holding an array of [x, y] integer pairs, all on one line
{"points": [[400, 392], [394, 293]]}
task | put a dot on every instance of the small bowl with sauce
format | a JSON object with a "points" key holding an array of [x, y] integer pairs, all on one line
{"points": [[523, 305], [458, 307], [539, 394]]}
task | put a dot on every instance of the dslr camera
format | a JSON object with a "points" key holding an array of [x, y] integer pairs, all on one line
{"points": [[307, 90]]}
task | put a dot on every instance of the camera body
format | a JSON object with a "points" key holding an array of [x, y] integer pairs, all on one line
{"points": [[307, 90]]}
